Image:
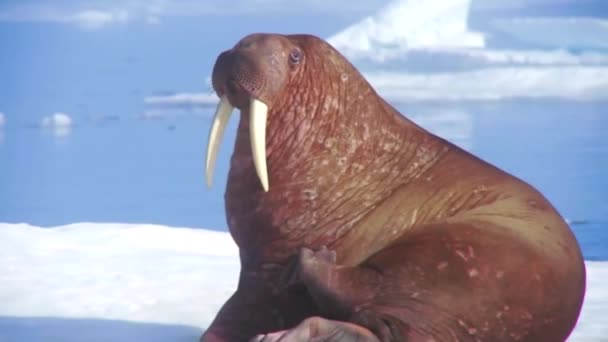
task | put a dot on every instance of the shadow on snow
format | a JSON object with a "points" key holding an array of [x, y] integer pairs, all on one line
{"points": [[49, 329]]}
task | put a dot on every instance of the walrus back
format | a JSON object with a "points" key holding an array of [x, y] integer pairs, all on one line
{"points": [[474, 282]]}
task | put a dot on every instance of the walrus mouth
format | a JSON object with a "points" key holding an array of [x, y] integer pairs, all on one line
{"points": [[258, 113]]}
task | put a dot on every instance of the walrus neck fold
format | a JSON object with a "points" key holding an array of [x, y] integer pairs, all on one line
{"points": [[320, 155], [330, 139]]}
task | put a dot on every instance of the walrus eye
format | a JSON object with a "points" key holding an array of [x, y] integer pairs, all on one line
{"points": [[295, 56]]}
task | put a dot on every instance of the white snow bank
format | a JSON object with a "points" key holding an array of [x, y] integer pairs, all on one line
{"points": [[406, 24], [593, 322], [575, 32], [580, 83], [475, 58], [141, 273], [109, 279], [182, 99], [177, 104]]}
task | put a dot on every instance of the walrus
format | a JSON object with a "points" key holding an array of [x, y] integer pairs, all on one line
{"points": [[355, 224]]}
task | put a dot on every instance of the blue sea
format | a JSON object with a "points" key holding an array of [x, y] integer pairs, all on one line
{"points": [[127, 169]]}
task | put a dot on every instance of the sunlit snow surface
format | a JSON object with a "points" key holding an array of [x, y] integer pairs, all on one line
{"points": [[126, 282]]}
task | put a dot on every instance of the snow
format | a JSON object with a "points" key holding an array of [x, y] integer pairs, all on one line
{"points": [[176, 104], [583, 83], [56, 120], [408, 24], [182, 99], [424, 50], [174, 276], [96, 19], [60, 124], [129, 282], [479, 58]]}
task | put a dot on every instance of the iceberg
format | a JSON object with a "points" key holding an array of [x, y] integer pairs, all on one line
{"points": [[407, 24], [416, 50]]}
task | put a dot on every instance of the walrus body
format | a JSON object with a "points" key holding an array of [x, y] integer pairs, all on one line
{"points": [[373, 228]]}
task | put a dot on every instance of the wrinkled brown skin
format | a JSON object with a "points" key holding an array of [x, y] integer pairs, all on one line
{"points": [[430, 242]]}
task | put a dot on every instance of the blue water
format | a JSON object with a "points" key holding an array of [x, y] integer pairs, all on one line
{"points": [[130, 170]]}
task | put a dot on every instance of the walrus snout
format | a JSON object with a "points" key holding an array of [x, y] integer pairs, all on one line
{"points": [[256, 67], [250, 77], [238, 78]]}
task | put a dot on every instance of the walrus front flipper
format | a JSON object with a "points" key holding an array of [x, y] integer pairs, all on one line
{"points": [[240, 318], [341, 292], [256, 308], [320, 330]]}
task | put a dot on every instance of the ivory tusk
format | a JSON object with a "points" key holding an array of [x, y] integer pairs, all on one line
{"points": [[257, 133], [222, 115]]}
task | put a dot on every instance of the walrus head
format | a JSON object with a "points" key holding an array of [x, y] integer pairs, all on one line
{"points": [[258, 73], [313, 133], [251, 76]]}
